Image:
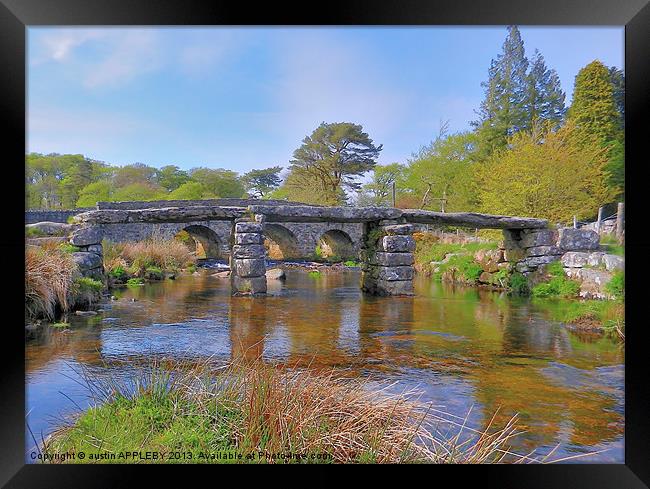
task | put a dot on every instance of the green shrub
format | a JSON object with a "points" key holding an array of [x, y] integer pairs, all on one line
{"points": [[351, 263], [518, 283], [134, 282], [34, 233], [68, 248], [118, 273], [86, 290], [153, 273], [318, 252], [314, 274], [616, 286], [191, 268], [557, 287]]}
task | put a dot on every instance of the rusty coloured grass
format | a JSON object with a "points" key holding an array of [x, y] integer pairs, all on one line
{"points": [[253, 408], [136, 257], [49, 280]]}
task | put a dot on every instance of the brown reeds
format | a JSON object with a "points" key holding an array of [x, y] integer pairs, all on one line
{"points": [[49, 280], [166, 254]]}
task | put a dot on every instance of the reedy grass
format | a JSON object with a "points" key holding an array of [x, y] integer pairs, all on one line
{"points": [[256, 408], [137, 257], [49, 280]]}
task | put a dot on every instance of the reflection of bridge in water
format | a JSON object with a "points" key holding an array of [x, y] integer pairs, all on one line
{"points": [[247, 231]]}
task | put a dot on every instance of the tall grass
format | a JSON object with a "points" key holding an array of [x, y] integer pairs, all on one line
{"points": [[257, 409], [136, 257], [49, 280]]}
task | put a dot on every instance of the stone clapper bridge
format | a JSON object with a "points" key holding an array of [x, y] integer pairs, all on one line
{"points": [[378, 236]]}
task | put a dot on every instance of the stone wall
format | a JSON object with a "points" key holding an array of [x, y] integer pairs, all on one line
{"points": [[33, 216], [578, 250]]}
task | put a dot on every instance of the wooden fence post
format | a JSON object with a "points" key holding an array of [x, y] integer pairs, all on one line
{"points": [[620, 219]]}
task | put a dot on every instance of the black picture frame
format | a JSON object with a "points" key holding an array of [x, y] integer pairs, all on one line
{"points": [[17, 15]]}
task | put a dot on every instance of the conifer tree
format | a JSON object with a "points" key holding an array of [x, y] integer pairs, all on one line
{"points": [[593, 109], [545, 98]]}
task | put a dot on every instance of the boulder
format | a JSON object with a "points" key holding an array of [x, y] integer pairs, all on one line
{"points": [[51, 228], [87, 235], [275, 274], [592, 283], [489, 259], [401, 229], [224, 274], [531, 238], [613, 262], [543, 251], [578, 239], [575, 259], [86, 260], [85, 313]]}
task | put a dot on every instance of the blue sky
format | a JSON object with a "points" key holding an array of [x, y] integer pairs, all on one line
{"points": [[243, 98]]}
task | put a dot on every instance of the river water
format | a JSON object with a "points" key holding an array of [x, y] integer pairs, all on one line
{"points": [[470, 352]]}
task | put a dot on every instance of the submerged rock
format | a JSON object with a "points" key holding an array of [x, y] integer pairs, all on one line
{"points": [[85, 313], [276, 274], [224, 274]]}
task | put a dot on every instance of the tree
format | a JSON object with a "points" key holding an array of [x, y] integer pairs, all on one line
{"points": [[92, 193], [379, 191], [135, 173], [443, 169], [190, 191], [593, 109], [503, 110], [299, 186], [260, 182], [618, 82], [171, 177], [545, 173], [545, 98], [224, 183], [333, 156], [139, 191]]}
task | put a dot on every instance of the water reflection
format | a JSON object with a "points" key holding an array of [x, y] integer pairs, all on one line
{"points": [[463, 348]]}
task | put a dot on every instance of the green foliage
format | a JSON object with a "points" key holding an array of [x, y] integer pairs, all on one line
{"points": [[153, 273], [190, 191], [558, 286], [379, 192], [260, 182], [101, 191], [593, 109], [138, 191], [545, 174], [428, 248], [463, 268], [118, 273], [616, 286], [518, 283], [224, 183], [318, 252], [443, 169], [191, 268], [171, 177], [34, 232], [132, 282], [333, 156], [68, 248], [314, 273], [89, 284], [351, 263]]}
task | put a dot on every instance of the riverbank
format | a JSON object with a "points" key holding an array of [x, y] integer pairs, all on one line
{"points": [[589, 288], [256, 413]]}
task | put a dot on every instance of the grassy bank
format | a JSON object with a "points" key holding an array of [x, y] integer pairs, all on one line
{"points": [[53, 283], [253, 410], [151, 259]]}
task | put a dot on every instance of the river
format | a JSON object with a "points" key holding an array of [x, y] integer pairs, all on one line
{"points": [[467, 350]]}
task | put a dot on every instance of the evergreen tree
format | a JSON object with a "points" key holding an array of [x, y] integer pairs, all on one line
{"points": [[593, 109], [618, 81], [503, 111], [545, 98]]}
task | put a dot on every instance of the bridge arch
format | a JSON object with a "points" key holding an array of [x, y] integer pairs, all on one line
{"points": [[206, 241], [336, 242], [280, 242]]}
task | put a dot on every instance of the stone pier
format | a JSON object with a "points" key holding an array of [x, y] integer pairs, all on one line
{"points": [[387, 267], [248, 258]]}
